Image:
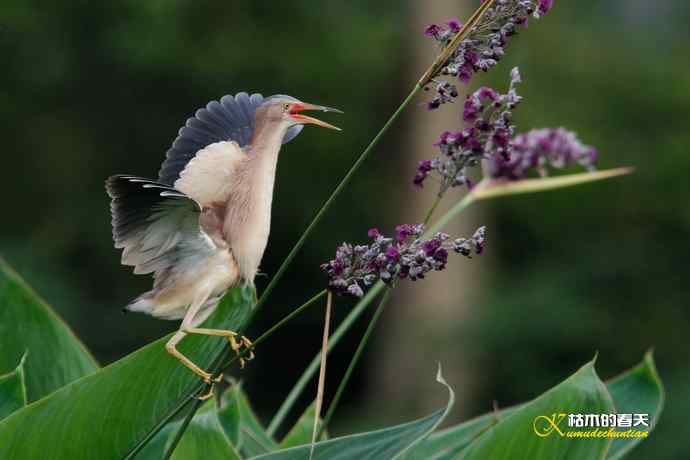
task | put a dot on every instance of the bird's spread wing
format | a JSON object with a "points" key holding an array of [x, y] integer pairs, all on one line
{"points": [[156, 225], [208, 176], [231, 118]]}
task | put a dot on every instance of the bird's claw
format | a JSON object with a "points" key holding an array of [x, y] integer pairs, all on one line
{"points": [[208, 394], [238, 343]]}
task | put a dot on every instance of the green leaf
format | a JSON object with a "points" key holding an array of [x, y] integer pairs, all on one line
{"points": [[496, 188], [637, 391], [13, 390], [29, 325], [301, 432], [109, 413], [389, 443], [515, 437], [241, 425]]}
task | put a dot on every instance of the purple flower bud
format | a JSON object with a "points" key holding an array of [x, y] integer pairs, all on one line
{"points": [[430, 246], [454, 25], [373, 233], [393, 254], [432, 30], [544, 6]]}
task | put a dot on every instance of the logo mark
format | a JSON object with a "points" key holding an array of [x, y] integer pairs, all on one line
{"points": [[544, 425]]}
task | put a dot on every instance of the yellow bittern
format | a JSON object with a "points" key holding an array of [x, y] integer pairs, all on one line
{"points": [[202, 227]]}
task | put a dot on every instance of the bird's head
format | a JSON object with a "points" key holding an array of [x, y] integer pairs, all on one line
{"points": [[288, 110]]}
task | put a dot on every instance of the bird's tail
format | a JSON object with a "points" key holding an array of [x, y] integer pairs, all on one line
{"points": [[144, 304]]}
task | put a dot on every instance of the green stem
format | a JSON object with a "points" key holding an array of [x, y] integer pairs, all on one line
{"points": [[183, 427], [433, 208], [353, 363], [289, 317], [451, 214], [309, 372]]}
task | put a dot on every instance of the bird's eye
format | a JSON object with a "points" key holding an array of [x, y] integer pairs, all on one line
{"points": [[286, 107]]}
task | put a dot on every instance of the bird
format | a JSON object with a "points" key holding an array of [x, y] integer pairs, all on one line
{"points": [[202, 227]]}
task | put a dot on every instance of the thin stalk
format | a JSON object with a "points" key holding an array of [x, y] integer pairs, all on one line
{"points": [[353, 363], [309, 372], [451, 214], [185, 423], [432, 209], [279, 325], [322, 374]]}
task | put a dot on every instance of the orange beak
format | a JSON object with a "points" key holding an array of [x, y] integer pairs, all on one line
{"points": [[298, 107]]}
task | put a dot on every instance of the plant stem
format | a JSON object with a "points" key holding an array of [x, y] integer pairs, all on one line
{"points": [[451, 214], [309, 372], [433, 208], [181, 430], [353, 363], [288, 318]]}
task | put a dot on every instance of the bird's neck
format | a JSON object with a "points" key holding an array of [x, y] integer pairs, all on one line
{"points": [[248, 220], [262, 158]]}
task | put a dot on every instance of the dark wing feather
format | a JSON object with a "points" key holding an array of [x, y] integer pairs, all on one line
{"points": [[231, 118], [156, 225]]}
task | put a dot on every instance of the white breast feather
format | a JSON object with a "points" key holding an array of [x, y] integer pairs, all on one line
{"points": [[208, 176]]}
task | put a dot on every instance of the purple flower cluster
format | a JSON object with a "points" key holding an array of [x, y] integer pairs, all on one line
{"points": [[540, 149], [488, 115], [491, 136], [485, 44], [405, 256]]}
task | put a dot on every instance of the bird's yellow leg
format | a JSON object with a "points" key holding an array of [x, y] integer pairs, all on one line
{"points": [[172, 349], [237, 342]]}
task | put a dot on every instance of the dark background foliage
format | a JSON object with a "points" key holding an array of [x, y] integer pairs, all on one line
{"points": [[89, 89]]}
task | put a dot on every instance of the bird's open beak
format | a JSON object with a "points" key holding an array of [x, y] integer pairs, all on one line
{"points": [[307, 120]]}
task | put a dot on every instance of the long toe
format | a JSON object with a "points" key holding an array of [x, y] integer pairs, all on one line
{"points": [[208, 394]]}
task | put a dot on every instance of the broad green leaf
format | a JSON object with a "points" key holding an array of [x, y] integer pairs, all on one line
{"points": [[494, 189], [389, 443], [638, 391], [515, 437], [109, 413], [302, 431], [28, 325], [13, 390], [241, 425]]}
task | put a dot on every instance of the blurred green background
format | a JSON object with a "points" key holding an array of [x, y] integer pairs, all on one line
{"points": [[89, 89]]}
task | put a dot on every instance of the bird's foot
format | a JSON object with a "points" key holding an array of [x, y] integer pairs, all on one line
{"points": [[208, 394], [243, 347]]}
